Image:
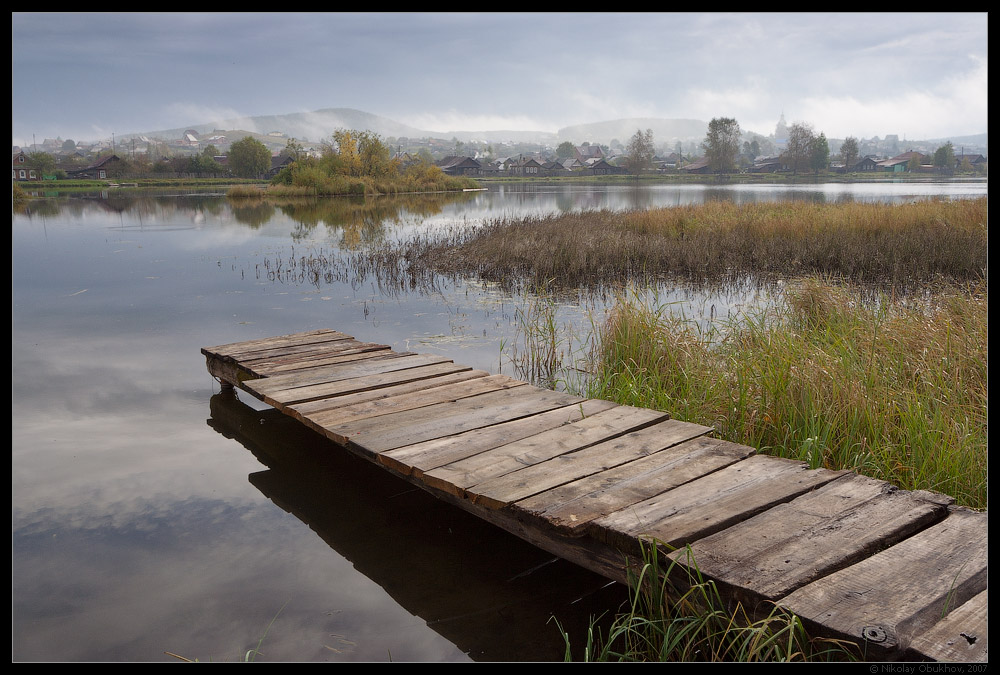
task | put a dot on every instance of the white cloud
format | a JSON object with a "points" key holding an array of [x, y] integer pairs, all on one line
{"points": [[957, 106]]}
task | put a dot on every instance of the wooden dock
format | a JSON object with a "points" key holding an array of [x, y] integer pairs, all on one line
{"points": [[904, 574]]}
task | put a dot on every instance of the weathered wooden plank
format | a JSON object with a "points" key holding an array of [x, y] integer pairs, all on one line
{"points": [[457, 476], [301, 351], [357, 384], [961, 636], [502, 490], [344, 371], [407, 420], [273, 367], [309, 350], [793, 544], [415, 400], [417, 458], [631, 470], [709, 504], [453, 418], [301, 410], [232, 349], [298, 367], [901, 592]]}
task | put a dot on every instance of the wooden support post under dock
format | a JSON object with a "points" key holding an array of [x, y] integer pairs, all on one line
{"points": [[901, 573]]}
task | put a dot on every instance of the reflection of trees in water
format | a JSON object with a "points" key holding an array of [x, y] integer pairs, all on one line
{"points": [[361, 221], [41, 208], [141, 204], [253, 213]]}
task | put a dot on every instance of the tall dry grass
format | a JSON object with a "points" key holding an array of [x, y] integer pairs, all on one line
{"points": [[871, 243], [894, 390]]}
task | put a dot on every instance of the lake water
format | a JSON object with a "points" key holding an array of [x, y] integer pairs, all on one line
{"points": [[153, 516]]}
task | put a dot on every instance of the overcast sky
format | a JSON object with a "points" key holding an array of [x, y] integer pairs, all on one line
{"points": [[84, 76]]}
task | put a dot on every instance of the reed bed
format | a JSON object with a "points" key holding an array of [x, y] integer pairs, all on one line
{"points": [[245, 192], [314, 181], [869, 243], [893, 390]]}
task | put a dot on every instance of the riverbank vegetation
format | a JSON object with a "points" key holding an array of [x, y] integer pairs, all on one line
{"points": [[895, 390], [899, 245], [358, 164]]}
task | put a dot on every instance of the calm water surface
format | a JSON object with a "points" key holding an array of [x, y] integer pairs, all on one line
{"points": [[152, 515]]}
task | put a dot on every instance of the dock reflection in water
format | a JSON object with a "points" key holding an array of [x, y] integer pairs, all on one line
{"points": [[487, 592]]}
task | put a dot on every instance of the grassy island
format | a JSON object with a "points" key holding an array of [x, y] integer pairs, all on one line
{"points": [[361, 164]]}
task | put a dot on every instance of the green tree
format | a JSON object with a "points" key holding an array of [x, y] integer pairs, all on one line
{"points": [[249, 158], [565, 150], [205, 162], [425, 156], [798, 153], [293, 149], [849, 152], [944, 157], [819, 156], [68, 146], [639, 151], [376, 156], [362, 153], [42, 162], [722, 144]]}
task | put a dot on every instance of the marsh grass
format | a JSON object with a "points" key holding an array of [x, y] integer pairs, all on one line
{"points": [[902, 244], [674, 614], [893, 389], [245, 192], [545, 348], [18, 196]]}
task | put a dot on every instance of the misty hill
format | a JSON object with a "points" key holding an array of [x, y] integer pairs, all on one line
{"points": [[499, 135], [664, 130], [320, 125], [312, 126]]}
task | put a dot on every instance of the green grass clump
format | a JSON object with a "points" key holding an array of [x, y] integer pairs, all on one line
{"points": [[893, 390], [674, 614], [18, 196]]}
